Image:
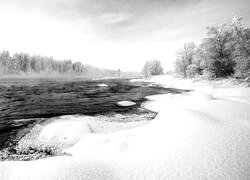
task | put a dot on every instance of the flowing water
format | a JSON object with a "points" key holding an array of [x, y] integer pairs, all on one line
{"points": [[24, 102]]}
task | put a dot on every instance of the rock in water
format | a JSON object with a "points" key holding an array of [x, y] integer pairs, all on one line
{"points": [[102, 85], [126, 103]]}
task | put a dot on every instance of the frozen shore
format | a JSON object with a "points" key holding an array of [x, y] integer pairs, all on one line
{"points": [[203, 134]]}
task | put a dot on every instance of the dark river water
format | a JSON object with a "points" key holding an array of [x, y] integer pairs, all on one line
{"points": [[23, 101]]}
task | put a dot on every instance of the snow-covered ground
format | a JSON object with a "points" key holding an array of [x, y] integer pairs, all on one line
{"points": [[204, 134]]}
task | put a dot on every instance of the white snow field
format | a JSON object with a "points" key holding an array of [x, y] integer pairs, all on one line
{"points": [[204, 134]]}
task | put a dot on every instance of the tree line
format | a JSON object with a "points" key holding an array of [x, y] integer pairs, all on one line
{"points": [[152, 67], [24, 63], [224, 52]]}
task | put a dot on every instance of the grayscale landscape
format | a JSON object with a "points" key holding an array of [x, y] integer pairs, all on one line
{"points": [[115, 89]]}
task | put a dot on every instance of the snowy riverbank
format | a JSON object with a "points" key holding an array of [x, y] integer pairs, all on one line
{"points": [[203, 134]]}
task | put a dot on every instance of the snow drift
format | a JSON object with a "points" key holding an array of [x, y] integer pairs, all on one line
{"points": [[195, 136]]}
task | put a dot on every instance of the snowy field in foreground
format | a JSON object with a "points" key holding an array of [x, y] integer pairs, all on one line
{"points": [[200, 135]]}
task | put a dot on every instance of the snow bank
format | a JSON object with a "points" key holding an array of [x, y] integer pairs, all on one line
{"points": [[64, 131], [194, 136]]}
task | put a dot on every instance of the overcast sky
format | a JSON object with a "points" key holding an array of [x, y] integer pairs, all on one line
{"points": [[111, 33]]}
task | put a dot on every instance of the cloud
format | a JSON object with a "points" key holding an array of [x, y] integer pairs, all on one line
{"points": [[110, 18], [111, 33], [137, 20], [113, 18]]}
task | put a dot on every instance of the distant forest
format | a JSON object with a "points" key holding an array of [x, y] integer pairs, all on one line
{"points": [[224, 52], [24, 63]]}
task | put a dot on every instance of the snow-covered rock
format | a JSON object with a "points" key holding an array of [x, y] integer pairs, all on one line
{"points": [[65, 131], [70, 131], [125, 103], [102, 85]]}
